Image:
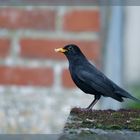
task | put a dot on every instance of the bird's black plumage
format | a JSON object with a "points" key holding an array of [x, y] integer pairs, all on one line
{"points": [[89, 79]]}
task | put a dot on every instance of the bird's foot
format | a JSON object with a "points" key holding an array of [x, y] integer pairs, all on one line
{"points": [[88, 109]]}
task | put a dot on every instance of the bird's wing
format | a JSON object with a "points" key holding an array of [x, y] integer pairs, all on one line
{"points": [[97, 81]]}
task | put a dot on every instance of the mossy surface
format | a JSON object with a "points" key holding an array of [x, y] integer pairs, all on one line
{"points": [[124, 119]]}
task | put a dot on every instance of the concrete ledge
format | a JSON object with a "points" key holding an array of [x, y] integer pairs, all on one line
{"points": [[124, 123]]}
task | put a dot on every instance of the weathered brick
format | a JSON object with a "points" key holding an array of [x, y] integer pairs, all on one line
{"points": [[4, 47], [82, 20], [15, 18], [44, 48], [26, 76], [66, 79]]}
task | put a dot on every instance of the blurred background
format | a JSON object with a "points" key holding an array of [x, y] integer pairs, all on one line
{"points": [[36, 90]]}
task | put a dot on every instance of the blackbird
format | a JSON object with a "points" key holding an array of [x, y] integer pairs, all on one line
{"points": [[89, 79]]}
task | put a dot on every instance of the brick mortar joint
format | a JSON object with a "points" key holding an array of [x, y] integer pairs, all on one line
{"points": [[57, 34], [29, 63], [53, 7], [33, 89]]}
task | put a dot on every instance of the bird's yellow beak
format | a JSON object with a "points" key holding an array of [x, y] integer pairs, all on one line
{"points": [[60, 50]]}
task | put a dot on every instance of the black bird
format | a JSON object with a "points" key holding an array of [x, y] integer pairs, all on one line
{"points": [[89, 79]]}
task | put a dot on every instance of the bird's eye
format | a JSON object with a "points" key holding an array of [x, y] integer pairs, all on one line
{"points": [[70, 48]]}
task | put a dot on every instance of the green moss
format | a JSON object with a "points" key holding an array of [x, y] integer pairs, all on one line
{"points": [[114, 127], [104, 119], [135, 124], [116, 115]]}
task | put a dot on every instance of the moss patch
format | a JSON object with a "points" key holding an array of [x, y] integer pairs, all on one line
{"points": [[104, 119]]}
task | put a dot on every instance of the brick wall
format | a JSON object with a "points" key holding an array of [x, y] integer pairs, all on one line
{"points": [[28, 36], [33, 33]]}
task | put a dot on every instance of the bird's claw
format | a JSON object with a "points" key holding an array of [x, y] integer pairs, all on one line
{"points": [[88, 109]]}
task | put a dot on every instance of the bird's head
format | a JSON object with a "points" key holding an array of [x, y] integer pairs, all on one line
{"points": [[70, 50]]}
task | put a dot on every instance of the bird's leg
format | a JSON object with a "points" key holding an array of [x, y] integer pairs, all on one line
{"points": [[97, 97]]}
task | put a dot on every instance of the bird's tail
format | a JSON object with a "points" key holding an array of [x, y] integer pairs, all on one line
{"points": [[126, 94], [133, 98]]}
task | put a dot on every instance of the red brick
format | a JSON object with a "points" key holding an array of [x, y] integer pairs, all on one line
{"points": [[44, 48], [66, 79], [82, 20], [26, 76], [15, 18], [4, 47]]}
